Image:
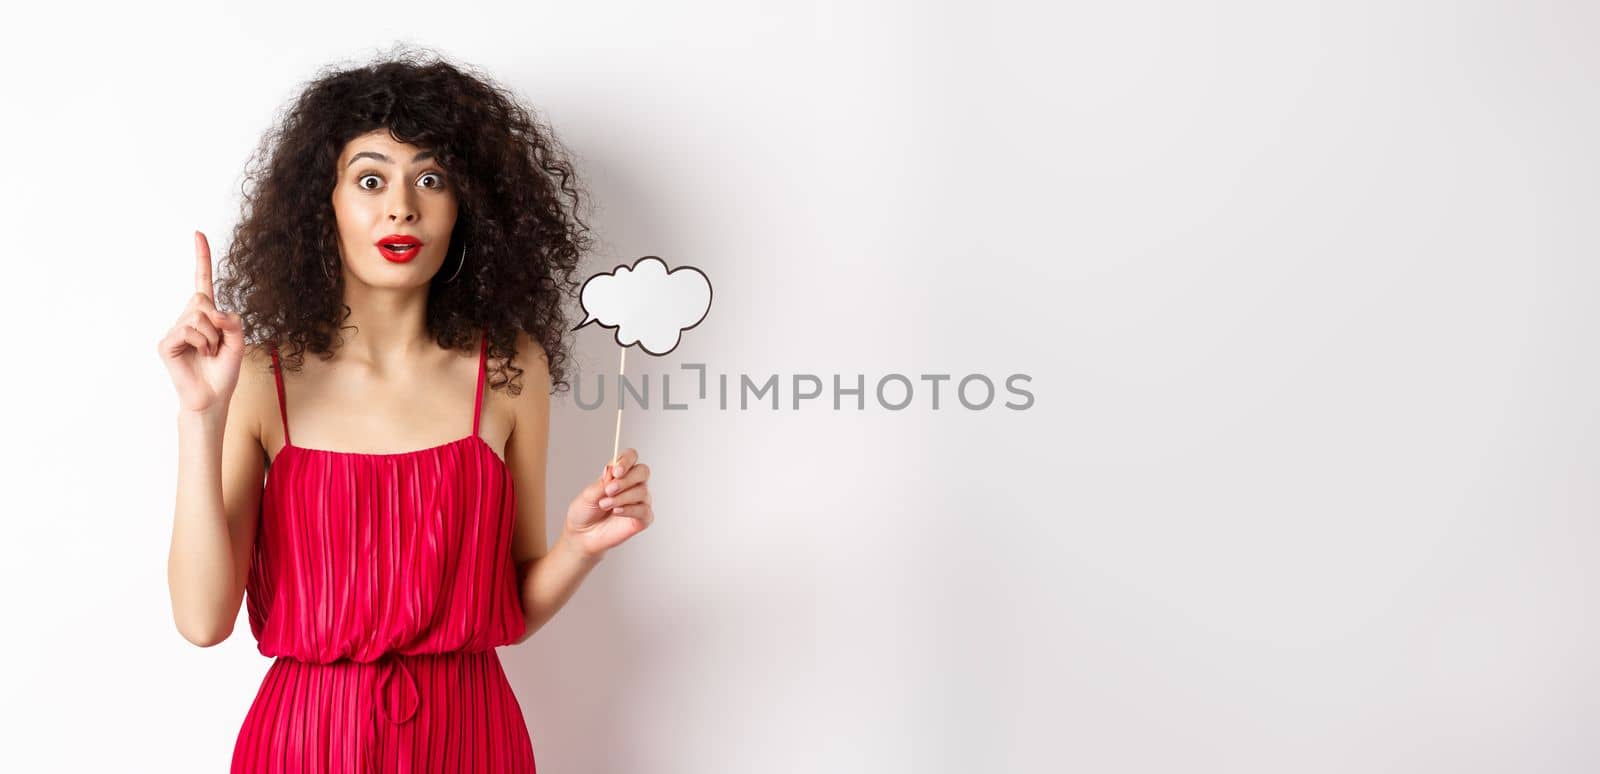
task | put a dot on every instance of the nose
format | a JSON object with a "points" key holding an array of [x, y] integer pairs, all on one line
{"points": [[401, 208]]}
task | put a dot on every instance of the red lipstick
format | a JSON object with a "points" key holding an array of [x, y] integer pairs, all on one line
{"points": [[399, 248]]}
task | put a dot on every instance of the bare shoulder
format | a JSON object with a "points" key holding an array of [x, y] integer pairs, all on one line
{"points": [[255, 391], [257, 356], [534, 362], [532, 401], [528, 348], [256, 370]]}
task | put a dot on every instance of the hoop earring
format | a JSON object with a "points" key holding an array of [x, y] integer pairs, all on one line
{"points": [[461, 263]]}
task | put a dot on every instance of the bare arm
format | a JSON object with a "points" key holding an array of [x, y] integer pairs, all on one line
{"points": [[549, 582], [219, 464], [548, 577], [220, 470], [612, 508]]}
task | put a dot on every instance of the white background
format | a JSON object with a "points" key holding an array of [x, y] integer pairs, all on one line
{"points": [[1305, 291]]}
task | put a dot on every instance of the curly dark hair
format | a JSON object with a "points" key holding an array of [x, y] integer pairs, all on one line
{"points": [[518, 202]]}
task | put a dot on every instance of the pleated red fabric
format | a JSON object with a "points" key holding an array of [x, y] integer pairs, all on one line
{"points": [[381, 586]]}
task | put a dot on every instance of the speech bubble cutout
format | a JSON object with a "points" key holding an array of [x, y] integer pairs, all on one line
{"points": [[647, 303]]}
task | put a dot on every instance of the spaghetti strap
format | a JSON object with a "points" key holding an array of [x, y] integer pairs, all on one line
{"points": [[283, 406], [477, 403]]}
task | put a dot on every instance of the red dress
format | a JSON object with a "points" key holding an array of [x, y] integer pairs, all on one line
{"points": [[381, 584]]}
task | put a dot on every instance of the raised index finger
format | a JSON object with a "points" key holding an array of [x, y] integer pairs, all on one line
{"points": [[202, 268]]}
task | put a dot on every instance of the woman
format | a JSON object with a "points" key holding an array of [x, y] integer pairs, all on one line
{"points": [[420, 210]]}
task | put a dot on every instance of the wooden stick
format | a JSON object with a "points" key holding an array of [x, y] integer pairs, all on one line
{"points": [[615, 439]]}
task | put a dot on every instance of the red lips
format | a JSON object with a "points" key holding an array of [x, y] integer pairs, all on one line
{"points": [[399, 248]]}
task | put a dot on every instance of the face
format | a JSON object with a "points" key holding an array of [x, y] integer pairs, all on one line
{"points": [[389, 193]]}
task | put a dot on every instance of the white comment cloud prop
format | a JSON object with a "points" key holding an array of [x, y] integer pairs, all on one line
{"points": [[647, 304]]}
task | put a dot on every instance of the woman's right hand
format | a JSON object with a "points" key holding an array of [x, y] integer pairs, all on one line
{"points": [[204, 348]]}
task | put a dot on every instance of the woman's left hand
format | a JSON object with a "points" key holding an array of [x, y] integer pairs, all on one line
{"points": [[613, 508]]}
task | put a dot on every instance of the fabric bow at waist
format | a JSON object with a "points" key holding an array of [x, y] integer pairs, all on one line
{"points": [[387, 665]]}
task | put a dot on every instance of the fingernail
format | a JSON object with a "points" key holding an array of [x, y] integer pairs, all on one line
{"points": [[605, 502], [612, 489], [617, 470]]}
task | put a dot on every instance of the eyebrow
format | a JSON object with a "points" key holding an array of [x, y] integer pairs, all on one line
{"points": [[385, 159]]}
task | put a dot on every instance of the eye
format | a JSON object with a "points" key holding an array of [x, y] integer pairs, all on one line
{"points": [[362, 182], [438, 180]]}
